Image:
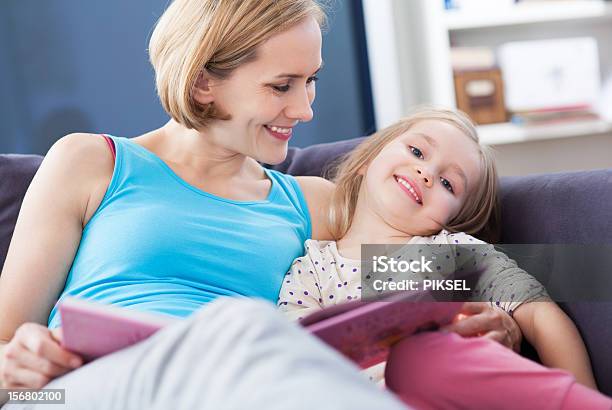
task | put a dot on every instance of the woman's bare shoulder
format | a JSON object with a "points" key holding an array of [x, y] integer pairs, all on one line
{"points": [[81, 146], [315, 185], [318, 192], [81, 155], [82, 166]]}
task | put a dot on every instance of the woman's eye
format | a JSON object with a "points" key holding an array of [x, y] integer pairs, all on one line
{"points": [[312, 79], [286, 87], [446, 184], [417, 152], [282, 88]]}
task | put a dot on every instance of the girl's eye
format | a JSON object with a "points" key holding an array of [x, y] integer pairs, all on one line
{"points": [[417, 152], [446, 184], [282, 88]]}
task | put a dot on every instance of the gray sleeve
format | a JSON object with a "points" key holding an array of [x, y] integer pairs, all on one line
{"points": [[503, 283]]}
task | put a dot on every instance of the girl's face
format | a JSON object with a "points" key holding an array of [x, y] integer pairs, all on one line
{"points": [[420, 180], [267, 97]]}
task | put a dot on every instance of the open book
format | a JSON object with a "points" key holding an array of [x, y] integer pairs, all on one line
{"points": [[362, 331]]}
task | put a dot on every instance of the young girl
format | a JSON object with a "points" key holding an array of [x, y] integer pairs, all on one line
{"points": [[427, 180]]}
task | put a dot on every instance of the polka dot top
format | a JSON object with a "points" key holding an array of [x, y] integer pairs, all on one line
{"points": [[323, 277]]}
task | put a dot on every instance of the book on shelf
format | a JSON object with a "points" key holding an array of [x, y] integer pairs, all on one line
{"points": [[361, 331], [555, 115]]}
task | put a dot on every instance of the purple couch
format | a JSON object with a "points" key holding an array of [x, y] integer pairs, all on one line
{"points": [[556, 208]]}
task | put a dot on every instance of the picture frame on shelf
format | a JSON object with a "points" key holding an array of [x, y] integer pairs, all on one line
{"points": [[480, 94]]}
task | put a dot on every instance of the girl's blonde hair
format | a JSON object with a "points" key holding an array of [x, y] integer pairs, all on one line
{"points": [[479, 215], [217, 36]]}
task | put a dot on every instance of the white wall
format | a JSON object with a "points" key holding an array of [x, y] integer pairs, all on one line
{"points": [[383, 60]]}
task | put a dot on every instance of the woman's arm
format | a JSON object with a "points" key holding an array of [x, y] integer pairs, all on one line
{"points": [[556, 339], [2, 346], [318, 192], [63, 195]]}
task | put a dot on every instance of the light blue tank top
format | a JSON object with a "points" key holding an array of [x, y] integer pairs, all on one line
{"points": [[161, 245]]}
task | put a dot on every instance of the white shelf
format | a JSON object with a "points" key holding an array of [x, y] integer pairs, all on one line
{"points": [[527, 13], [508, 133]]}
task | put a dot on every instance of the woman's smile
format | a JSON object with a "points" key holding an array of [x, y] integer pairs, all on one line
{"points": [[283, 134]]}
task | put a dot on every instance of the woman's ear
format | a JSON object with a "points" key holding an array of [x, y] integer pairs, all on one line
{"points": [[362, 170], [202, 90]]}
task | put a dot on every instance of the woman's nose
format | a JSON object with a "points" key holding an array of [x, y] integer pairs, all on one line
{"points": [[300, 108], [425, 176]]}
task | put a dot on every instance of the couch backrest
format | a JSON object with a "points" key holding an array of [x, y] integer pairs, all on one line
{"points": [[16, 173], [571, 207]]}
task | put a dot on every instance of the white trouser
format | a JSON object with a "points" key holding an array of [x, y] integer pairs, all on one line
{"points": [[232, 354]]}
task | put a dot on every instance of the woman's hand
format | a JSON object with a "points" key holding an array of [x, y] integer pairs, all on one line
{"points": [[34, 357], [481, 319]]}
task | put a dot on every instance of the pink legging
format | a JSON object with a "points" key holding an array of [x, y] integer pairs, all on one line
{"points": [[438, 370]]}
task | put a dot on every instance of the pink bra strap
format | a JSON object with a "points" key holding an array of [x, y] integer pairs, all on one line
{"points": [[111, 144]]}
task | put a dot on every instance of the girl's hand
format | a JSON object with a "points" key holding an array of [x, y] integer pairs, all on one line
{"points": [[34, 357], [481, 319]]}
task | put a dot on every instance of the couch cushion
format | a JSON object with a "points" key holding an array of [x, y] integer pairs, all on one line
{"points": [[572, 208], [16, 173], [567, 208]]}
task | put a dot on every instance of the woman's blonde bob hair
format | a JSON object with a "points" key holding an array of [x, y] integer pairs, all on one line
{"points": [[479, 215], [217, 36]]}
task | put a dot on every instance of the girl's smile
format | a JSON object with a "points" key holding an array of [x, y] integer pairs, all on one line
{"points": [[409, 187]]}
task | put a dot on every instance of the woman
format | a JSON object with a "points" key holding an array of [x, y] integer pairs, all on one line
{"points": [[174, 218]]}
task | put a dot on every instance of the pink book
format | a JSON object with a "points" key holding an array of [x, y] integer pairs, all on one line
{"points": [[93, 330], [362, 331]]}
